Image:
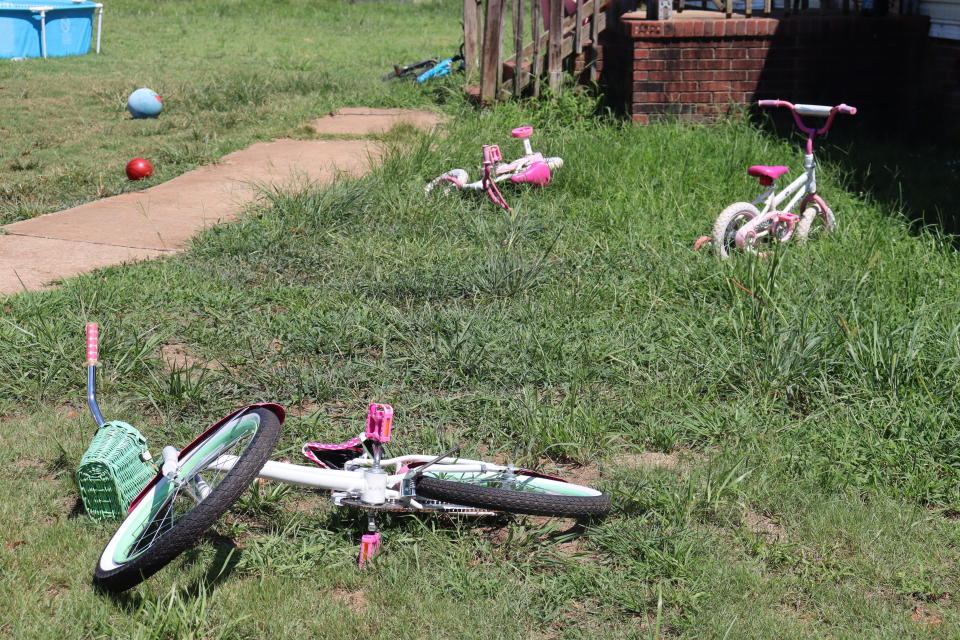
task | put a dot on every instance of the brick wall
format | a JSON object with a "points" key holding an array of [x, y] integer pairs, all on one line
{"points": [[697, 68]]}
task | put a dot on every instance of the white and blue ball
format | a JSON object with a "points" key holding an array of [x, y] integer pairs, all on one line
{"points": [[144, 103]]}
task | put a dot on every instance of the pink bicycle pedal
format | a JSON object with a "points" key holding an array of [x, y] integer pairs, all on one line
{"points": [[379, 421], [491, 153], [522, 132], [369, 547]]}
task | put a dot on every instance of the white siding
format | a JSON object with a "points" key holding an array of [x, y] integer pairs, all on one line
{"points": [[944, 17]]}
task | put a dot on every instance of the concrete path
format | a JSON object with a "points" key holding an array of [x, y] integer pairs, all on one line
{"points": [[162, 219]]}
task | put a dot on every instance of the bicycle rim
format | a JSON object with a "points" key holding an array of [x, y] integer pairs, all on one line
{"points": [[158, 512]]}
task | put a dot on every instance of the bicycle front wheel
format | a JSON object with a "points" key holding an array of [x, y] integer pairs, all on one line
{"points": [[816, 220], [173, 514], [518, 492]]}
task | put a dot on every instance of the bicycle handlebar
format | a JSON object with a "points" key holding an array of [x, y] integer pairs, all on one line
{"points": [[93, 343], [810, 109]]}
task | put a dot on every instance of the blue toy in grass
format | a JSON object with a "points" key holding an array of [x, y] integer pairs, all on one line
{"points": [[144, 103]]}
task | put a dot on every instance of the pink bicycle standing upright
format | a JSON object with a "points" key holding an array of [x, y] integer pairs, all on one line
{"points": [[531, 168], [743, 226]]}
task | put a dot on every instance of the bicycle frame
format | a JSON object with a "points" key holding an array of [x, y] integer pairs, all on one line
{"points": [[351, 481], [772, 213]]}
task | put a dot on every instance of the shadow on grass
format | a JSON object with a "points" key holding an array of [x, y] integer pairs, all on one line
{"points": [[225, 560]]}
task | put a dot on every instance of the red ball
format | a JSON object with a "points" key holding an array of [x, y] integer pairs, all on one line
{"points": [[139, 168]]}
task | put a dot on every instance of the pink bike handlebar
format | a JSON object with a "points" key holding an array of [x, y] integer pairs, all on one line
{"points": [[809, 109], [814, 110], [93, 343]]}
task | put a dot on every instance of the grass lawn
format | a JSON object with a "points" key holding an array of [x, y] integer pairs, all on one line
{"points": [[231, 72], [782, 464]]}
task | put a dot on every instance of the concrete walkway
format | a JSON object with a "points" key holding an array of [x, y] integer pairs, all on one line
{"points": [[161, 220]]}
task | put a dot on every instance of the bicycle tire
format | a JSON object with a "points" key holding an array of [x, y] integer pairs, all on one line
{"points": [[539, 496], [814, 207], [725, 227], [129, 558]]}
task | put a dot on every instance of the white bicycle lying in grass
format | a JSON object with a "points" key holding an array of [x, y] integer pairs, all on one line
{"points": [[189, 489], [743, 226]]}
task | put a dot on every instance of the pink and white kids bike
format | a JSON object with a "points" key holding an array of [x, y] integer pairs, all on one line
{"points": [[167, 504], [743, 226], [532, 168]]}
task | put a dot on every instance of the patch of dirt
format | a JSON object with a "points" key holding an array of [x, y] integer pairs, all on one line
{"points": [[922, 615], [178, 356], [24, 464], [356, 601], [764, 526], [676, 461], [582, 474], [304, 409]]}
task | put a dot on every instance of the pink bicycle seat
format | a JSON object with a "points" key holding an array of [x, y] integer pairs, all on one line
{"points": [[537, 174], [522, 132], [767, 174]]}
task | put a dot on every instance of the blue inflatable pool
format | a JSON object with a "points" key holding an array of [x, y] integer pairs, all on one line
{"points": [[47, 28]]}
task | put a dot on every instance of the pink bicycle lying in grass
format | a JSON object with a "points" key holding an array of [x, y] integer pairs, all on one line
{"points": [[532, 168], [167, 506], [743, 226]]}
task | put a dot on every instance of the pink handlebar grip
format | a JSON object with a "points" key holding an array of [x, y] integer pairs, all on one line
{"points": [[773, 103], [379, 421], [93, 343], [847, 109]]}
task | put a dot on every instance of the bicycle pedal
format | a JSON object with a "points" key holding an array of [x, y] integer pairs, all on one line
{"points": [[491, 154], [379, 422], [369, 548]]}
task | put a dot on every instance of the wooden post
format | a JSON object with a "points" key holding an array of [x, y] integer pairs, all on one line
{"points": [[767, 6], [519, 82], [578, 29], [471, 35], [729, 8], [537, 67], [491, 71], [594, 36], [554, 68]]}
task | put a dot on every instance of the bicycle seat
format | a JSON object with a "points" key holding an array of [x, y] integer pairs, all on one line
{"points": [[536, 174], [767, 174], [333, 456], [522, 132]]}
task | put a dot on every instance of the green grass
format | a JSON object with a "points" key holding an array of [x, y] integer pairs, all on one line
{"points": [[231, 72], [816, 481], [811, 488]]}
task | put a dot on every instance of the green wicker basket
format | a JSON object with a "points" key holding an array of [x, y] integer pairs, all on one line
{"points": [[112, 471]]}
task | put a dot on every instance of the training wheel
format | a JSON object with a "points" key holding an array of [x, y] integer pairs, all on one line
{"points": [[522, 132]]}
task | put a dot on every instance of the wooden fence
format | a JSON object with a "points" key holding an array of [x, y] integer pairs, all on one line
{"points": [[554, 39]]}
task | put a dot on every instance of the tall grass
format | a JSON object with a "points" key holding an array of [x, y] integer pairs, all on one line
{"points": [[807, 399]]}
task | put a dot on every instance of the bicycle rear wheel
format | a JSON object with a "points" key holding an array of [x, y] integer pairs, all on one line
{"points": [[519, 492], [171, 516]]}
